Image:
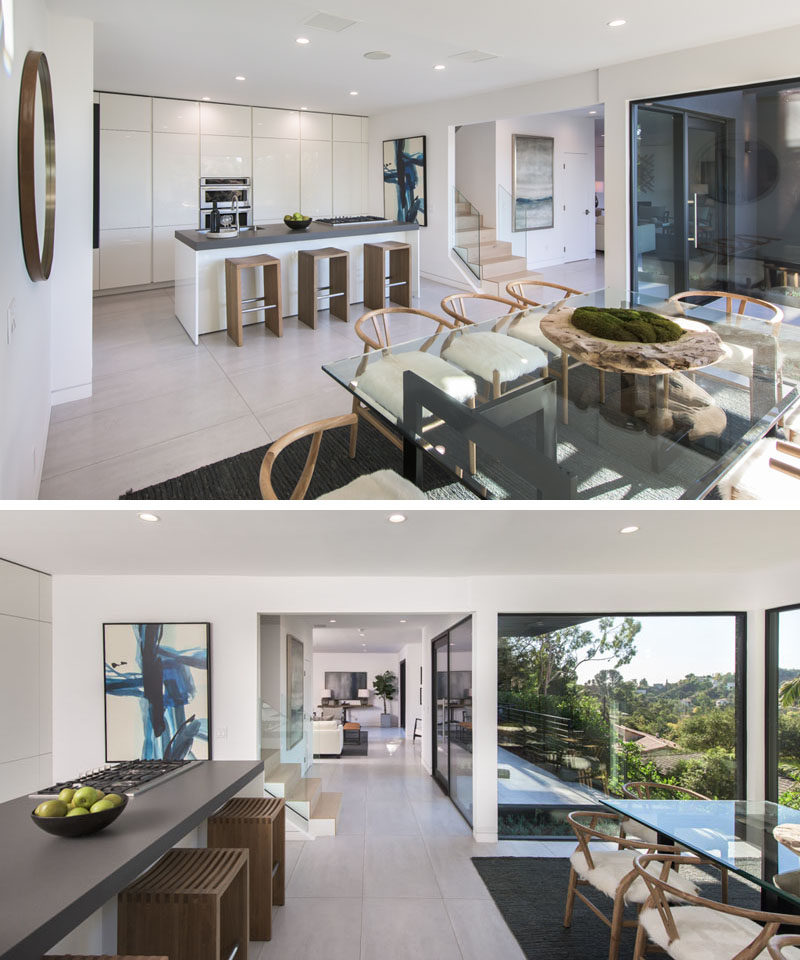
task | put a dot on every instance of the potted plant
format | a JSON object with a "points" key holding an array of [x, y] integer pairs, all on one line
{"points": [[385, 688]]}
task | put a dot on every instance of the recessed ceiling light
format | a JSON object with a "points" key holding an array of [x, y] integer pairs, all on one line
{"points": [[205, 98], [304, 108], [439, 66], [377, 55], [397, 518], [302, 40], [629, 529], [240, 78], [331, 621], [616, 23], [354, 93], [592, 113], [149, 517], [403, 620]]}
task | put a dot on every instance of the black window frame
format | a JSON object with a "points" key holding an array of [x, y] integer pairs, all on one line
{"points": [[771, 666]]}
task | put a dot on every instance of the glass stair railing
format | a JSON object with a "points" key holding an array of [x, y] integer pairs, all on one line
{"points": [[467, 232]]}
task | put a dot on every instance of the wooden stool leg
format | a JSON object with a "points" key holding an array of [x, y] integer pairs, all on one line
{"points": [[339, 277], [273, 317], [400, 272], [373, 276], [307, 290], [233, 302], [279, 854]]}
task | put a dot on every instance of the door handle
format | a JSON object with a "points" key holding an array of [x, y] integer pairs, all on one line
{"points": [[694, 204], [586, 212]]}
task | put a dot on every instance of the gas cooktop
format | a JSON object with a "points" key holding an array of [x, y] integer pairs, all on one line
{"points": [[130, 777], [350, 221]]}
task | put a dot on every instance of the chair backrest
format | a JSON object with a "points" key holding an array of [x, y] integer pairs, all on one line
{"points": [[585, 825], [379, 321], [517, 289], [735, 305], [645, 789], [777, 945], [661, 892], [455, 305], [315, 430]]}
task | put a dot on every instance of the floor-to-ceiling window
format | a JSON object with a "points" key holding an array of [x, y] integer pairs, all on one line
{"points": [[587, 703], [783, 706], [452, 705], [715, 204]]}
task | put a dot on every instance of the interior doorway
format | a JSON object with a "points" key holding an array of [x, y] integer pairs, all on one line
{"points": [[402, 672]]}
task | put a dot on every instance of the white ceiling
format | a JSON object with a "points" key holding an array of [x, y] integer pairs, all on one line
{"points": [[194, 48], [433, 542], [383, 633]]}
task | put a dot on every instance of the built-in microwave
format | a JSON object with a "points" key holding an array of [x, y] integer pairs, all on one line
{"points": [[228, 193]]}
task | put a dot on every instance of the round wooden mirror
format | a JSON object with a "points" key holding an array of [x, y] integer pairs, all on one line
{"points": [[36, 157]]}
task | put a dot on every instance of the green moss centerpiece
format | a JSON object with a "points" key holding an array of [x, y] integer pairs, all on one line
{"points": [[636, 326]]}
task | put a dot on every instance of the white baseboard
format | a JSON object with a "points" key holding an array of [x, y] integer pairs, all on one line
{"points": [[484, 837], [67, 394], [135, 288]]}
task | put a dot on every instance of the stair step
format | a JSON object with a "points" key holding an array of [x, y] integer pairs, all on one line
{"points": [[497, 285], [305, 791], [462, 207], [271, 759], [496, 248], [325, 815], [500, 266], [467, 221], [283, 778]]}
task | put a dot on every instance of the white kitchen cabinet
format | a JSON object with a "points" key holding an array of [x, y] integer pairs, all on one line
{"points": [[164, 251], [176, 116], [276, 178], [225, 120], [283, 124], [126, 191], [125, 257], [347, 128], [347, 177], [315, 178], [176, 172], [365, 204], [121, 112], [225, 156], [315, 126]]}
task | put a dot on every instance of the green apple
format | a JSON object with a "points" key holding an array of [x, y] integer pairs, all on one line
{"points": [[77, 812], [102, 805], [67, 794], [51, 808], [85, 797], [114, 798]]}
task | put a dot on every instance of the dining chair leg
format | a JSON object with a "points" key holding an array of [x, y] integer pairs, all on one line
{"points": [[496, 388], [573, 883], [564, 386], [354, 431], [473, 450], [617, 917], [640, 946], [724, 882]]}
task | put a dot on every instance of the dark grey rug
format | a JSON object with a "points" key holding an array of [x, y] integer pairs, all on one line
{"points": [[354, 749], [530, 893]]}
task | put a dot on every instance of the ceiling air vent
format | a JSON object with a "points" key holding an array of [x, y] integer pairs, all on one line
{"points": [[327, 21], [473, 56]]}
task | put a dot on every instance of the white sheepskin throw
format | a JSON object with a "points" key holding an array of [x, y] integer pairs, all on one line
{"points": [[611, 866], [383, 380], [381, 485], [528, 328], [482, 352]]}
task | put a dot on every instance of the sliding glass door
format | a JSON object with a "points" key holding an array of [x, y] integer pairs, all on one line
{"points": [[783, 706], [452, 720]]}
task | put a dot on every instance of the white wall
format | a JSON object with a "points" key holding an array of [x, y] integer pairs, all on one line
{"points": [[475, 168], [26, 681], [414, 656], [50, 350], [754, 59], [370, 663]]}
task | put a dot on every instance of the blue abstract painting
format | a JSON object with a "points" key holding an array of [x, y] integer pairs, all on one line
{"points": [[532, 177], [156, 691], [404, 180]]}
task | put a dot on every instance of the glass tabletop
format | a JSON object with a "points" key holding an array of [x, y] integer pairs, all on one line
{"points": [[614, 435], [735, 833]]}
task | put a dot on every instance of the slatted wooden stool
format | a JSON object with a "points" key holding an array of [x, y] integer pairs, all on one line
{"points": [[270, 303], [259, 825], [377, 284], [354, 729], [308, 289], [191, 905]]}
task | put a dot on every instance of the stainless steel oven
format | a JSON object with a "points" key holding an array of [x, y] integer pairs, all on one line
{"points": [[227, 193]]}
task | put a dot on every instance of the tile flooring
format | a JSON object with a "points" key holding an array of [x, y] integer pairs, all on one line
{"points": [[162, 406], [396, 883]]}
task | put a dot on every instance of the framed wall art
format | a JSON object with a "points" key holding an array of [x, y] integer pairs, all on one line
{"points": [[405, 180], [532, 181], [157, 691]]}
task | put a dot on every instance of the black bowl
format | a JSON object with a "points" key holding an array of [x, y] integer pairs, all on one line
{"points": [[297, 224], [79, 826]]}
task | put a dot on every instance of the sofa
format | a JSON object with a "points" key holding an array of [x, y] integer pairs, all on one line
{"points": [[328, 737]]}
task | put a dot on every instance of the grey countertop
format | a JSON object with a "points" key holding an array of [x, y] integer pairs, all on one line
{"points": [[49, 885], [279, 233]]}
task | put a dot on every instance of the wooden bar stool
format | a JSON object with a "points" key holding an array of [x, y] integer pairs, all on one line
{"points": [[270, 303], [377, 284], [259, 825], [191, 905], [338, 290]]}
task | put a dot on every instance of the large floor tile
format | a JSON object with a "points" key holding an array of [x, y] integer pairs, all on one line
{"points": [[398, 867], [408, 930], [391, 818], [481, 931], [438, 817], [315, 929], [327, 865], [452, 865]]}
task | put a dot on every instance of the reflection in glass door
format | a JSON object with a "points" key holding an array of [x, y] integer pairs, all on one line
{"points": [[441, 749], [707, 204]]}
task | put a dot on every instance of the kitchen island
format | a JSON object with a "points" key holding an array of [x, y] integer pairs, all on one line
{"points": [[200, 265], [50, 885]]}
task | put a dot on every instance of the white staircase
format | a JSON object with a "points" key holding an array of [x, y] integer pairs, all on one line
{"points": [[309, 809], [489, 259]]}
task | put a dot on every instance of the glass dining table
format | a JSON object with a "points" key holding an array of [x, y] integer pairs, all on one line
{"points": [[598, 439], [734, 833]]}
